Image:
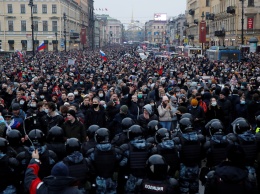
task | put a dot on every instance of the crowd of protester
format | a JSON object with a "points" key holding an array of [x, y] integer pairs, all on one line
{"points": [[45, 92]]}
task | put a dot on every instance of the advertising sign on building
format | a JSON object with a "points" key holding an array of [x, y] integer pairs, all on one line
{"points": [[250, 23], [202, 32]]}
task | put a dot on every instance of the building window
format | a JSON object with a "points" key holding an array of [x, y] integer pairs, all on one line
{"points": [[158, 27], [207, 3], [44, 8], [161, 27], [23, 25], [45, 26], [154, 27], [54, 26], [35, 9], [11, 47], [22, 6], [35, 26], [54, 8], [10, 8], [251, 3], [11, 26]]}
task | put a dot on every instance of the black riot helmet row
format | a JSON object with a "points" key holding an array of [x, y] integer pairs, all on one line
{"points": [[14, 137], [72, 145], [240, 125], [157, 167], [126, 123], [216, 127], [102, 135], [153, 126], [135, 132], [162, 135], [92, 130], [3, 145], [37, 137], [56, 134], [185, 125]]}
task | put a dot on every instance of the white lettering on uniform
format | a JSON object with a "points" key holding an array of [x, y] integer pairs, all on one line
{"points": [[152, 187]]}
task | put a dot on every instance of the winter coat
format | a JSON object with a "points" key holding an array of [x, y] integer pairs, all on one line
{"points": [[75, 130]]}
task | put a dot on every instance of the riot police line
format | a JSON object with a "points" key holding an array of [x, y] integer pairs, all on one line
{"points": [[137, 160]]}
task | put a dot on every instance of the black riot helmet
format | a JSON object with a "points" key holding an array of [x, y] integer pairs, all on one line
{"points": [[187, 115], [102, 135], [127, 123], [185, 125], [92, 130], [14, 137], [216, 127], [3, 145], [258, 121], [56, 134], [37, 137], [135, 132], [241, 126], [161, 135], [157, 167], [72, 145], [153, 126]]}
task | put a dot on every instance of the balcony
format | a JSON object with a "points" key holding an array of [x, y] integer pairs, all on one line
{"points": [[191, 12], [210, 16], [196, 21], [191, 37], [231, 10], [220, 33]]}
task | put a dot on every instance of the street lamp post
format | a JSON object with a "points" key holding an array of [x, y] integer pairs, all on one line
{"points": [[242, 23], [56, 34], [32, 26], [202, 17], [65, 40]]}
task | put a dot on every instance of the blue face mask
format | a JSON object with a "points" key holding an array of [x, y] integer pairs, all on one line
{"points": [[194, 106], [242, 102]]}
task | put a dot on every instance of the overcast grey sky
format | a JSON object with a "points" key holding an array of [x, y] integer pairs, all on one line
{"points": [[143, 10]]}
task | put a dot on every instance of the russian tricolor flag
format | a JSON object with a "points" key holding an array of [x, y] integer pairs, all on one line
{"points": [[103, 55], [41, 46]]}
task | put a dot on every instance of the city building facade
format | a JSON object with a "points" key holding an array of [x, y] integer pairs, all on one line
{"points": [[223, 19], [155, 31], [112, 30], [48, 22], [194, 12]]}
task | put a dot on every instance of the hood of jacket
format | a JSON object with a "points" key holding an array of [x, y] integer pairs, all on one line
{"points": [[104, 146], [230, 174], [75, 157], [148, 107], [167, 144], [58, 183], [139, 143]]}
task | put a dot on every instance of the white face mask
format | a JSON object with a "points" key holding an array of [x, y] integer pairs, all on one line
{"points": [[100, 95], [33, 96], [21, 102], [33, 105], [213, 103], [76, 93]]}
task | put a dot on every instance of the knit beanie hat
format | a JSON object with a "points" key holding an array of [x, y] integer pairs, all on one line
{"points": [[60, 169], [72, 113], [194, 102]]}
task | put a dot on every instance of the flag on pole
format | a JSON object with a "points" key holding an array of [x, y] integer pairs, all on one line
{"points": [[103, 55], [41, 46], [20, 54]]}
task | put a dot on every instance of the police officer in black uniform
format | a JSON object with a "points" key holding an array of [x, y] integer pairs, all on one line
{"points": [[152, 127], [9, 170], [14, 138], [77, 164], [121, 138], [157, 180], [190, 156], [214, 147], [137, 152], [167, 148], [47, 157], [56, 142], [105, 158], [248, 141], [90, 143]]}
